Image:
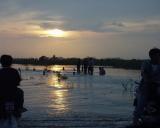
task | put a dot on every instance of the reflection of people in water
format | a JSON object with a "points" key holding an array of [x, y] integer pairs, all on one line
{"points": [[102, 71], [10, 80]]}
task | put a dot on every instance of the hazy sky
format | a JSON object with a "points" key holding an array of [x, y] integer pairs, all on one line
{"points": [[98, 28]]}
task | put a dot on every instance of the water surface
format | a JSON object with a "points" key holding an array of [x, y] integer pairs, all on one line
{"points": [[80, 101]]}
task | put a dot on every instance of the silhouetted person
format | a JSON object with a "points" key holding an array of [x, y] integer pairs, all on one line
{"points": [[90, 66], [148, 93], [78, 66], [74, 71], [102, 71], [9, 82], [82, 68], [44, 72], [85, 65]]}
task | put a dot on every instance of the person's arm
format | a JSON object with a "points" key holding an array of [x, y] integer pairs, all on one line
{"points": [[18, 78]]}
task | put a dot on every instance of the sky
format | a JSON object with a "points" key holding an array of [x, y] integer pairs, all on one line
{"points": [[79, 28]]}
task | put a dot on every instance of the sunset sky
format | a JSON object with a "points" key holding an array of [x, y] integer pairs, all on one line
{"points": [[79, 28]]}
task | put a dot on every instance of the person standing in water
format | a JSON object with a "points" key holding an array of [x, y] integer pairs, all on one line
{"points": [[9, 82], [85, 65], [102, 72], [78, 66], [90, 66]]}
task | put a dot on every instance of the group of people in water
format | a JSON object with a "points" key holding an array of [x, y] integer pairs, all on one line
{"points": [[86, 66], [147, 98], [83, 66]]}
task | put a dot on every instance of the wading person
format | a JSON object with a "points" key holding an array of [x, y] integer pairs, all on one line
{"points": [[78, 66], [90, 66], [85, 65], [102, 72]]}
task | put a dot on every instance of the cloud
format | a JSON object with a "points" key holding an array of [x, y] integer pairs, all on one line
{"points": [[103, 27], [28, 17], [51, 24], [118, 24], [31, 22], [132, 26]]}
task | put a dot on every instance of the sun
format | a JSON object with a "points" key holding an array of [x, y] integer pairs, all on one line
{"points": [[56, 33]]}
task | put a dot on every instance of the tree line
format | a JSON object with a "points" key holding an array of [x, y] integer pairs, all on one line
{"points": [[113, 62]]}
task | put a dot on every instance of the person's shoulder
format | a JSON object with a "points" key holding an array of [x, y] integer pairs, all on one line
{"points": [[13, 70], [2, 69], [8, 71], [146, 66], [146, 63]]}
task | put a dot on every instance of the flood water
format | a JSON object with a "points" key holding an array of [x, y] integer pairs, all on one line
{"points": [[79, 101]]}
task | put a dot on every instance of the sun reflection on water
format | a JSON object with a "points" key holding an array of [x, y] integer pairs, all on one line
{"points": [[56, 83], [58, 94], [59, 100], [56, 68]]}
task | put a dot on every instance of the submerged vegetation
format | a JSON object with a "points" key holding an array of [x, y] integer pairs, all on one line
{"points": [[112, 62]]}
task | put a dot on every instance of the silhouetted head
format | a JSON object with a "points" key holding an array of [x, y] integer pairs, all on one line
{"points": [[154, 54], [6, 60]]}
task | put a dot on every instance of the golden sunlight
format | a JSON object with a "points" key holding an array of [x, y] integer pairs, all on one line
{"points": [[54, 82], [56, 33], [59, 100], [56, 68]]}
